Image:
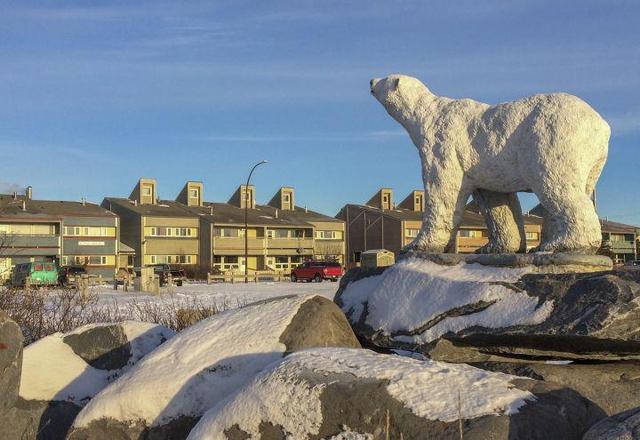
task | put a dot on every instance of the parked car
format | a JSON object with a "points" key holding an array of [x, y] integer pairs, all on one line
{"points": [[317, 271], [68, 275], [36, 273], [178, 276]]}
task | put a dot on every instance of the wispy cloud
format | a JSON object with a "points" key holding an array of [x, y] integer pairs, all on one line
{"points": [[624, 124], [380, 135]]}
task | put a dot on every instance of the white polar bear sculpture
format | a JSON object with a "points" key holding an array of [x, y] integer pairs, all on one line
{"points": [[553, 145]]}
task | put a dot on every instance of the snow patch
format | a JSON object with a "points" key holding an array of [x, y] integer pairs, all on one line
{"points": [[51, 370], [429, 389], [415, 291]]}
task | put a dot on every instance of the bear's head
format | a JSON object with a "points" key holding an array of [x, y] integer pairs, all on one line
{"points": [[399, 94]]}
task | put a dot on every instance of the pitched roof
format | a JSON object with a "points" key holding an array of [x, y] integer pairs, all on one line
{"points": [[164, 208], [48, 209], [470, 219], [605, 224]]}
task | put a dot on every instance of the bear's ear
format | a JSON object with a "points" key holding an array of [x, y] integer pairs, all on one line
{"points": [[395, 83]]}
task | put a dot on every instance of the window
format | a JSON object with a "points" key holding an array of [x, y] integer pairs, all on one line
{"points": [[286, 198], [28, 229], [471, 233], [413, 233], [533, 236], [356, 256], [90, 231], [329, 235], [146, 190], [193, 192], [163, 231]]}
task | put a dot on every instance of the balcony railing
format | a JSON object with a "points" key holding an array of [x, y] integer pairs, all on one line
{"points": [[289, 243]]}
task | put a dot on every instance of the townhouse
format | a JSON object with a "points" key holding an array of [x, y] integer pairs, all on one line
{"points": [[189, 231], [279, 235], [65, 232], [158, 231], [381, 224]]}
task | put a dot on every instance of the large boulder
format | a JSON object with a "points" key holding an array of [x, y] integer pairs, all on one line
{"points": [[61, 372], [10, 361], [614, 387], [166, 394], [623, 426], [347, 393], [473, 313]]}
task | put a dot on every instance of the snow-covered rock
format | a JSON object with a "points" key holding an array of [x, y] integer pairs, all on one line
{"points": [[168, 391], [474, 313], [74, 366], [344, 393], [61, 372]]}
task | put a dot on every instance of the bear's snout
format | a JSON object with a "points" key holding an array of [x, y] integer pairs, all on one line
{"points": [[373, 83]]}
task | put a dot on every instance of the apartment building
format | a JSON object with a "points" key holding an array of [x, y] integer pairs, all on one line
{"points": [[621, 240], [280, 235], [383, 224], [158, 231], [69, 233]]}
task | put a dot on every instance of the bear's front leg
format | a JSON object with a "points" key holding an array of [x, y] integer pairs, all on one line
{"points": [[503, 216], [446, 195]]}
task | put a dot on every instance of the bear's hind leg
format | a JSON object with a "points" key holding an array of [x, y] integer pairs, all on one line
{"points": [[503, 216], [572, 224]]}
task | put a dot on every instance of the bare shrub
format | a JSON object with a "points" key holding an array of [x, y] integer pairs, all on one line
{"points": [[41, 312]]}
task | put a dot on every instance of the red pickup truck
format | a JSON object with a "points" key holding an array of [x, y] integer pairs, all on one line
{"points": [[317, 271]]}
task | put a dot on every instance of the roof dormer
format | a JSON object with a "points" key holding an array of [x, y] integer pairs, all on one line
{"points": [[383, 199], [414, 201], [191, 194], [145, 192], [244, 196], [284, 199]]}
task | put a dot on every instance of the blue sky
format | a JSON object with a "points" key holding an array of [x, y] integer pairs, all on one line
{"points": [[94, 95]]}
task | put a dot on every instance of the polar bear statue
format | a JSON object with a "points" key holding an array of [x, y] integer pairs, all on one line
{"points": [[554, 145]]}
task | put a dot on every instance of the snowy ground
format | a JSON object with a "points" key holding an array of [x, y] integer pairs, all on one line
{"points": [[223, 295]]}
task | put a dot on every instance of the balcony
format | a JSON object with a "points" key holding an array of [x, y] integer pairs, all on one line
{"points": [[289, 245], [30, 241], [237, 243]]}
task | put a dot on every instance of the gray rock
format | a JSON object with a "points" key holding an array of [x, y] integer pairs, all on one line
{"points": [[318, 323], [614, 387], [623, 426], [10, 361], [363, 403], [594, 317], [105, 347], [37, 419]]}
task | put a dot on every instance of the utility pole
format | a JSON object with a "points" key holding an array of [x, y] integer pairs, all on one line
{"points": [[246, 222]]}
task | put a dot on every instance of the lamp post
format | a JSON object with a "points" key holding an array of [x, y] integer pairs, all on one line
{"points": [[246, 222]]}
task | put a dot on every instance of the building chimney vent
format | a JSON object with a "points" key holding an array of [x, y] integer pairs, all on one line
{"points": [[210, 209], [135, 203], [29, 192], [15, 195], [24, 205], [276, 212], [84, 201], [305, 209]]}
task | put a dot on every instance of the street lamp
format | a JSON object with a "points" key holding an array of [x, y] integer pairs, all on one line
{"points": [[246, 222]]}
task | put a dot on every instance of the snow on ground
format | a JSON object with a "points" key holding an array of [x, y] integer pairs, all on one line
{"points": [[429, 389], [51, 370], [197, 368], [223, 295], [429, 290]]}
